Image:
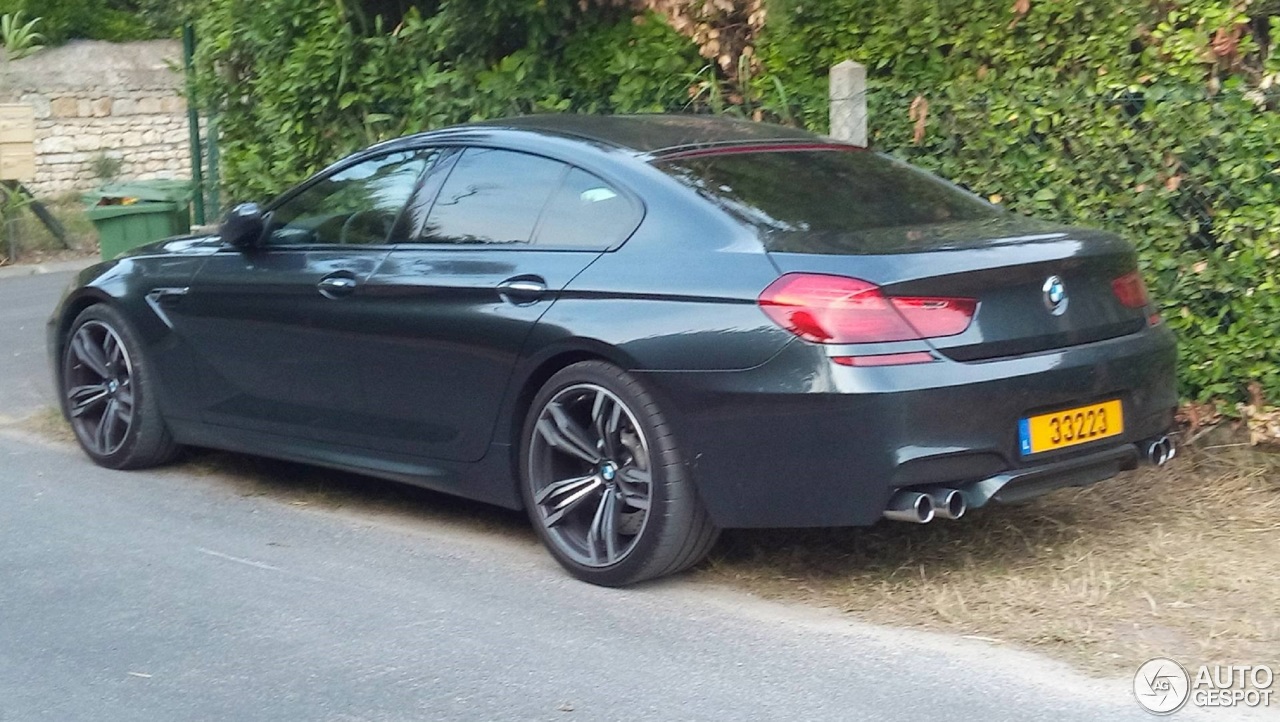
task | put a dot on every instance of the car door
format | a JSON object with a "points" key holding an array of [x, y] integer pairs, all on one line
{"points": [[506, 233], [272, 327]]}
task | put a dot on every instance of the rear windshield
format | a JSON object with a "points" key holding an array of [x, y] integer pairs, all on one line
{"points": [[825, 194]]}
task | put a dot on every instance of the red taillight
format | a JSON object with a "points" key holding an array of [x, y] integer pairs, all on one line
{"points": [[838, 309], [936, 317], [886, 359], [1130, 290]]}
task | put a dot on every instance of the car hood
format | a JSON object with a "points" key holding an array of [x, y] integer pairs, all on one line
{"points": [[199, 244]]}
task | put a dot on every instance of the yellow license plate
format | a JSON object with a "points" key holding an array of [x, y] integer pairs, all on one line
{"points": [[1071, 427]]}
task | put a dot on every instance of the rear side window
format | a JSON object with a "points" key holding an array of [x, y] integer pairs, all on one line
{"points": [[586, 212], [492, 197], [825, 192]]}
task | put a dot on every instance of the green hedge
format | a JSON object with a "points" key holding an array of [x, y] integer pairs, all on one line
{"points": [[302, 83], [1109, 113]]}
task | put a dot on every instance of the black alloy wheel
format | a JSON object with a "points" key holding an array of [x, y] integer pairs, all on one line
{"points": [[106, 394], [602, 480]]}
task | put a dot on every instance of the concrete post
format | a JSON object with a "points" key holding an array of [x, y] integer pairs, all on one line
{"points": [[847, 93]]}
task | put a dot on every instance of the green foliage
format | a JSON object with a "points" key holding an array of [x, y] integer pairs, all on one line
{"points": [[114, 20], [67, 19], [20, 38], [300, 83], [631, 66], [1155, 120], [160, 18]]}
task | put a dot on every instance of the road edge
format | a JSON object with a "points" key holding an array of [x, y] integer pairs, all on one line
{"points": [[22, 270]]}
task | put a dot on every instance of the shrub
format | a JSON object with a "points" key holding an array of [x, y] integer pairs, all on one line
{"points": [[299, 83]]}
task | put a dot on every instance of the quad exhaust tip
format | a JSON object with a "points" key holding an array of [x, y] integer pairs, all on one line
{"points": [[948, 503], [922, 507], [910, 506], [1159, 451]]}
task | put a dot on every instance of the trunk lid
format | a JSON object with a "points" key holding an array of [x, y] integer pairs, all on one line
{"points": [[1039, 286]]}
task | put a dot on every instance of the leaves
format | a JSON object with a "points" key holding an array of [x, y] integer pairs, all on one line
{"points": [[20, 39], [299, 84], [116, 20]]}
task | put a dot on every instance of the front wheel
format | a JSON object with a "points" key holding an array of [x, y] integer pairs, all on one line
{"points": [[108, 394], [604, 483]]}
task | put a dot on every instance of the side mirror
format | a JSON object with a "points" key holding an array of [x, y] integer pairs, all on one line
{"points": [[243, 226]]}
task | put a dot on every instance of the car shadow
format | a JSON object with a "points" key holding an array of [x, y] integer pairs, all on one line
{"points": [[307, 485]]}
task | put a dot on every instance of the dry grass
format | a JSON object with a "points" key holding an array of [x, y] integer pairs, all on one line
{"points": [[36, 245], [1181, 562]]}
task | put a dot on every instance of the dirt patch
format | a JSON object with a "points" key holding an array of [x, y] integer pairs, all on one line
{"points": [[47, 422]]}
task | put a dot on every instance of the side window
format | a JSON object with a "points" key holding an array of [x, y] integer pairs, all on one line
{"points": [[492, 197], [357, 205], [586, 212]]}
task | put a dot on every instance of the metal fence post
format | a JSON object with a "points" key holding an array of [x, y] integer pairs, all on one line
{"points": [[847, 93], [214, 206], [193, 120]]}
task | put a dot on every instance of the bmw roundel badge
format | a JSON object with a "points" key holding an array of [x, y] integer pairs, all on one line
{"points": [[1055, 295]]}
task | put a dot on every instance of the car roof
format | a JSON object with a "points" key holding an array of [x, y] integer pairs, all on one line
{"points": [[656, 134]]}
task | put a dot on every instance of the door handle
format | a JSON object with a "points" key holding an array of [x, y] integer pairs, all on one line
{"points": [[337, 286], [523, 287], [522, 290]]}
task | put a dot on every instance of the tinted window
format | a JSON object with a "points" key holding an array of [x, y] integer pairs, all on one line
{"points": [[358, 205], [492, 196], [846, 195], [586, 212]]}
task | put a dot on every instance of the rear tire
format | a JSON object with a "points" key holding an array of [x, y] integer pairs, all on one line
{"points": [[603, 480], [108, 394]]}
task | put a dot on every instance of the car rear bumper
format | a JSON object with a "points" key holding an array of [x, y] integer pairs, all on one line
{"points": [[801, 441]]}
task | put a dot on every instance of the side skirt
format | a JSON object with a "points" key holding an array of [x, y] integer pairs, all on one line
{"points": [[488, 480]]}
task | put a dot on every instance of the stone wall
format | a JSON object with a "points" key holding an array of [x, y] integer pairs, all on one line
{"points": [[95, 99]]}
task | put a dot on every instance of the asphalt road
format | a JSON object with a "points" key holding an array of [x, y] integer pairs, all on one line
{"points": [[25, 303], [182, 594]]}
